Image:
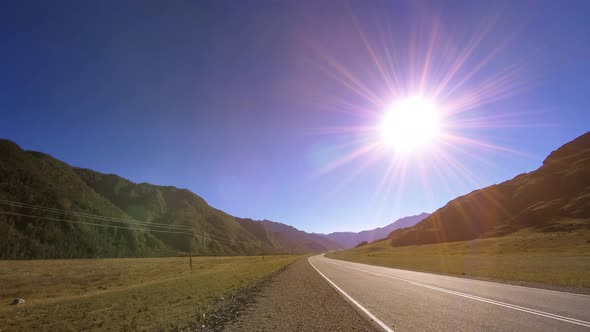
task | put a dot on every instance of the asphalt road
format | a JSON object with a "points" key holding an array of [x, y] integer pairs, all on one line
{"points": [[401, 300], [298, 299]]}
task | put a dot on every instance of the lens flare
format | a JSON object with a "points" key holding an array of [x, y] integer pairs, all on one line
{"points": [[410, 124], [417, 106]]}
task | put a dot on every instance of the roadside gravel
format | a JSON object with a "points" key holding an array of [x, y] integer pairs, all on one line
{"points": [[299, 299]]}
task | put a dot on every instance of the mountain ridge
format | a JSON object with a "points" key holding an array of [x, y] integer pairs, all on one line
{"points": [[352, 239], [38, 179], [554, 197]]}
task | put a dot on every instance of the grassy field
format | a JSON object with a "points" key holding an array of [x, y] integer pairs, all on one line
{"points": [[146, 294], [557, 258]]}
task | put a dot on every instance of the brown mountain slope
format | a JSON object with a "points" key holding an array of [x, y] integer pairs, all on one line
{"points": [[555, 197]]}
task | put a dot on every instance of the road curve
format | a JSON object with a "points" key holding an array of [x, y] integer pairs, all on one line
{"points": [[402, 300]]}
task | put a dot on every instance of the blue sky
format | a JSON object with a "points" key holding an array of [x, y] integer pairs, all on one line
{"points": [[233, 100]]}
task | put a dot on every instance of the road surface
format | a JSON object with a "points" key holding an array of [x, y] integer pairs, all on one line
{"points": [[401, 300], [298, 299]]}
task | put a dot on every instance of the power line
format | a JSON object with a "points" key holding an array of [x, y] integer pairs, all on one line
{"points": [[89, 223], [186, 229], [139, 226], [122, 227], [110, 226], [93, 216]]}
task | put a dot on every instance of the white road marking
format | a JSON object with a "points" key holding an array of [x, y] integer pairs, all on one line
{"points": [[477, 298], [363, 309]]}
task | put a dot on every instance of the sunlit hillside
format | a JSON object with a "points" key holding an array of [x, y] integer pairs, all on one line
{"points": [[554, 198]]}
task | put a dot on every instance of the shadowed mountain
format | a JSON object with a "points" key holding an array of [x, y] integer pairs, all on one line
{"points": [[299, 239], [45, 183], [555, 197], [352, 239]]}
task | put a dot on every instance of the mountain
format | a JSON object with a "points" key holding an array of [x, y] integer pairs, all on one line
{"points": [[555, 197], [54, 191], [352, 239], [298, 240]]}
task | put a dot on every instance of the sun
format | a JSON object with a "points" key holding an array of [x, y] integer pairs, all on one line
{"points": [[410, 124]]}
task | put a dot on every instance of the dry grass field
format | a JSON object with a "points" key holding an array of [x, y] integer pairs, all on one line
{"points": [[553, 258], [145, 294]]}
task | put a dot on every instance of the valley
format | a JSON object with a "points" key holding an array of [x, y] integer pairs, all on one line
{"points": [[557, 260], [147, 294]]}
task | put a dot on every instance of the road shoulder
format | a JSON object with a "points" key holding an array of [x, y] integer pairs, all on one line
{"points": [[299, 299]]}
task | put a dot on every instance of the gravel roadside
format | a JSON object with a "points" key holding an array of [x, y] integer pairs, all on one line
{"points": [[299, 299]]}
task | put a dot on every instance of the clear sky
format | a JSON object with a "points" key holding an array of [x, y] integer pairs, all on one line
{"points": [[259, 106]]}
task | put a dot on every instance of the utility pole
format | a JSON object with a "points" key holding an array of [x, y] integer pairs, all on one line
{"points": [[190, 257], [262, 249]]}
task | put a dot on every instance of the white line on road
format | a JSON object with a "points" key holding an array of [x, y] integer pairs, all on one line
{"points": [[367, 312], [477, 298]]}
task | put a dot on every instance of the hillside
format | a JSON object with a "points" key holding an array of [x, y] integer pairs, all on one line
{"points": [[44, 182], [298, 239], [553, 198], [352, 239], [531, 230]]}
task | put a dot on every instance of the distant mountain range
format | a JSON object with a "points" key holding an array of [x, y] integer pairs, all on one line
{"points": [[555, 197], [352, 239], [58, 206], [49, 191]]}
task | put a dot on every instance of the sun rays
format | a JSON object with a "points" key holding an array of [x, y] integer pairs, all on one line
{"points": [[457, 73]]}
